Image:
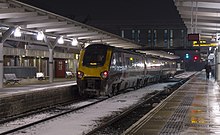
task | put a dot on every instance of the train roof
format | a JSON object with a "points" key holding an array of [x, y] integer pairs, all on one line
{"points": [[161, 54]]}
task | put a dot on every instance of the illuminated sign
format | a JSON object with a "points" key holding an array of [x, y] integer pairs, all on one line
{"points": [[204, 43]]}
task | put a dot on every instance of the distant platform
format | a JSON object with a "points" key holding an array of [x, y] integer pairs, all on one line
{"points": [[17, 99]]}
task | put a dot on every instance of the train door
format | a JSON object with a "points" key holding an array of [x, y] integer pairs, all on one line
{"points": [[60, 68]]}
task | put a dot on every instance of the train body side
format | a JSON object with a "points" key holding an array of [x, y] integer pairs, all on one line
{"points": [[127, 69], [118, 69], [123, 69]]}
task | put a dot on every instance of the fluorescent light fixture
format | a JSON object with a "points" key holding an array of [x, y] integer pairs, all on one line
{"points": [[40, 36], [17, 32], [60, 40], [74, 42], [86, 44]]}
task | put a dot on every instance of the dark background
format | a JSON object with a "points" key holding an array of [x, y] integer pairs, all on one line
{"points": [[85, 11]]}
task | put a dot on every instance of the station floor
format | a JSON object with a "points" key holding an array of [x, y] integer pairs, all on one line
{"points": [[194, 109]]}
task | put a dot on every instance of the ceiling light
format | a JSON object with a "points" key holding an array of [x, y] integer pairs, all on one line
{"points": [[17, 32], [40, 36], [74, 42], [60, 40]]}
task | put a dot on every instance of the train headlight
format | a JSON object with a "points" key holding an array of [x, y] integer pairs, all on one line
{"points": [[104, 74], [80, 74]]}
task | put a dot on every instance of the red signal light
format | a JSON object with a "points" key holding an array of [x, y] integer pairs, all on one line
{"points": [[196, 57]]}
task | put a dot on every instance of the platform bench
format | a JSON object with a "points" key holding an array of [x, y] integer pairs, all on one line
{"points": [[69, 74], [41, 76], [11, 79]]}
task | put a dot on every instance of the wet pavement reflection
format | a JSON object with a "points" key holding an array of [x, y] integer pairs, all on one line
{"points": [[193, 109]]}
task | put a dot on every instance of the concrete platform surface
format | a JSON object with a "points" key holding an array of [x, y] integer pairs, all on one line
{"points": [[193, 109]]}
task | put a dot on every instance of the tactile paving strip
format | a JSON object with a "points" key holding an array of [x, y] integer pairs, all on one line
{"points": [[175, 122]]}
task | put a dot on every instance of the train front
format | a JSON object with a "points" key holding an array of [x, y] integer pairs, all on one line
{"points": [[93, 70]]}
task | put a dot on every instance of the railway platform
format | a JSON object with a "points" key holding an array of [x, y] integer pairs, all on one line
{"points": [[33, 84], [192, 109], [32, 94]]}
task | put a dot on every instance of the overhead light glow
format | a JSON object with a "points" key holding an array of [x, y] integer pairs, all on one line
{"points": [[17, 32], [40, 36], [74, 42], [86, 44], [60, 40]]}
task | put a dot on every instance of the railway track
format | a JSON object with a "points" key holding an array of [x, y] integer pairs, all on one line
{"points": [[45, 115], [148, 102], [118, 124]]}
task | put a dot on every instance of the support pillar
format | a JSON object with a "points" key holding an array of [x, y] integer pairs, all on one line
{"points": [[1, 65], [196, 19], [50, 65], [5, 35], [215, 63], [218, 65], [192, 17]]}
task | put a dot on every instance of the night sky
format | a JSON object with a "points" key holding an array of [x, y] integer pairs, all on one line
{"points": [[113, 10]]}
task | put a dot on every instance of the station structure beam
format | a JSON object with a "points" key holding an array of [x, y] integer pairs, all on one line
{"points": [[32, 20], [202, 16]]}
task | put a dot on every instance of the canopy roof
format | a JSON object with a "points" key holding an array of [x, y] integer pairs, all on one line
{"points": [[200, 16], [32, 20]]}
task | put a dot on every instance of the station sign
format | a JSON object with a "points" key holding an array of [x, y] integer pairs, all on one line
{"points": [[193, 37], [204, 43]]}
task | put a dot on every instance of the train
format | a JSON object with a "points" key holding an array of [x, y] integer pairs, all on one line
{"points": [[104, 70]]}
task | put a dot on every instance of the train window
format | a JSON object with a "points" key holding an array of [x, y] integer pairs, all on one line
{"points": [[128, 62], [137, 64], [120, 65], [133, 62], [94, 56], [119, 57], [113, 63], [116, 61]]}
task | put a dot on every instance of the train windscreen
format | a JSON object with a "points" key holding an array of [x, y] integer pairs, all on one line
{"points": [[95, 55]]}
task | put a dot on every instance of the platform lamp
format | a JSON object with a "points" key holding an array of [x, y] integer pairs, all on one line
{"points": [[17, 32], [74, 42], [60, 40], [40, 35]]}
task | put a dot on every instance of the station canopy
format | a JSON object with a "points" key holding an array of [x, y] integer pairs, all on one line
{"points": [[200, 16], [31, 21]]}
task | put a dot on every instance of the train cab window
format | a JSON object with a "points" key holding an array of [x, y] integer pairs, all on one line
{"points": [[94, 56]]}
